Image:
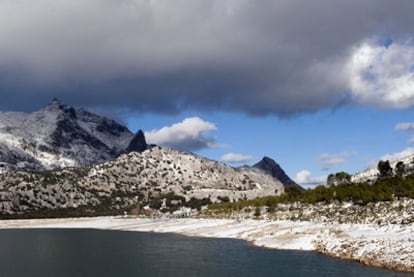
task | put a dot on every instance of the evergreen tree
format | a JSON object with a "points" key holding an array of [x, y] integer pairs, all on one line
{"points": [[400, 168], [384, 169]]}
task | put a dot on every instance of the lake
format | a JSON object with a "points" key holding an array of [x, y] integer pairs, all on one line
{"points": [[79, 252]]}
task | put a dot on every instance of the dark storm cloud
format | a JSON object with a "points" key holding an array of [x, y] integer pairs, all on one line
{"points": [[281, 57]]}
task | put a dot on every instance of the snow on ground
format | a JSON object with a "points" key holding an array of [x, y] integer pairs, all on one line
{"points": [[390, 246]]}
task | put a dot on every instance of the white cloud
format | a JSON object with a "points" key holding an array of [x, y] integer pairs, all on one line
{"points": [[398, 155], [304, 177], [404, 126], [236, 158], [382, 76], [328, 160], [190, 134]]}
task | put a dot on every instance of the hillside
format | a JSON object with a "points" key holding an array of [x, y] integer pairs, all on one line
{"points": [[162, 179]]}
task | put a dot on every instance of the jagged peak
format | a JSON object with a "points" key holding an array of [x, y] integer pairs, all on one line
{"points": [[63, 111], [55, 105], [55, 102], [138, 143], [140, 133], [268, 160]]}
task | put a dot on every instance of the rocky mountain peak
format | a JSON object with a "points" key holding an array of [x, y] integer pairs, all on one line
{"points": [[272, 168], [138, 143], [269, 161], [55, 104], [55, 101], [56, 111]]}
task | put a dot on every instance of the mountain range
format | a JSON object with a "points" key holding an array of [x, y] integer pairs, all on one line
{"points": [[61, 157]]}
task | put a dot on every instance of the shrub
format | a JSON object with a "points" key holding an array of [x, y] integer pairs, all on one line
{"points": [[257, 212]]}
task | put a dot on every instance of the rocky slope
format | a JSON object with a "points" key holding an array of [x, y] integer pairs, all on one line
{"points": [[160, 178], [60, 136]]}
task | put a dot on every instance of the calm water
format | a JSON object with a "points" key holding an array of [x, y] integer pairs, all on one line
{"points": [[47, 252]]}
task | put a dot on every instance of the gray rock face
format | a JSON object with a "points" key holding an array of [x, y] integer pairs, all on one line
{"points": [[272, 168]]}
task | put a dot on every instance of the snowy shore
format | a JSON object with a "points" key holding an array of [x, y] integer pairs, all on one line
{"points": [[389, 246]]}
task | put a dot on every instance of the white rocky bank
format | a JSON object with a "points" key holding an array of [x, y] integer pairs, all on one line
{"points": [[390, 246]]}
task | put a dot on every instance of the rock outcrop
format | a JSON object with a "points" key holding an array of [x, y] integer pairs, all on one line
{"points": [[138, 143]]}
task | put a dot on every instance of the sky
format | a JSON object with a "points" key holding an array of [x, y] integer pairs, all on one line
{"points": [[320, 86]]}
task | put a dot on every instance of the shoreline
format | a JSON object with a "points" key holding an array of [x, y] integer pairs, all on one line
{"points": [[389, 246]]}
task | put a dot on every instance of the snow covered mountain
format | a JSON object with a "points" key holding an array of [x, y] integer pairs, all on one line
{"points": [[59, 136]]}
